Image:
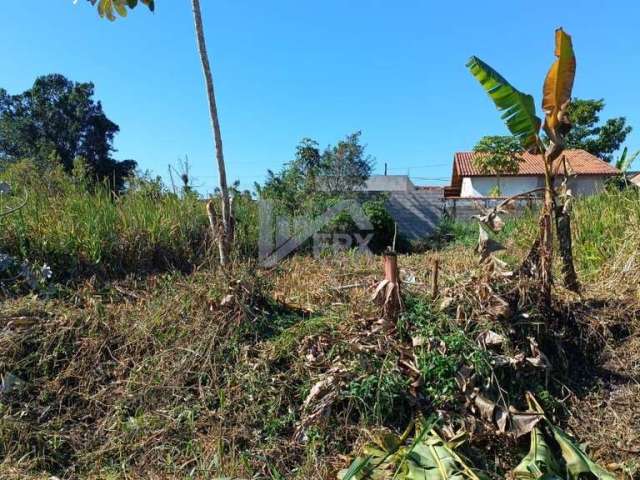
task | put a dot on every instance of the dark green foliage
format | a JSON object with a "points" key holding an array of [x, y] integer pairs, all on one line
{"points": [[313, 176], [58, 121], [587, 133], [452, 231], [381, 396], [383, 226]]}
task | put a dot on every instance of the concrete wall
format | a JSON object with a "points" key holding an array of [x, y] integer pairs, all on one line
{"points": [[465, 208], [389, 183]]}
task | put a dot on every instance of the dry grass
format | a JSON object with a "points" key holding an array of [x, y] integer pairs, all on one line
{"points": [[156, 378]]}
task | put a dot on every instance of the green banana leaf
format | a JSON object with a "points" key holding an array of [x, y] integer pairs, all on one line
{"points": [[519, 111], [539, 462], [434, 459], [428, 458], [624, 162], [579, 465], [377, 464], [379, 460]]}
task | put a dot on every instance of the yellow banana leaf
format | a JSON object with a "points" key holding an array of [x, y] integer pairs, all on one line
{"points": [[559, 82]]}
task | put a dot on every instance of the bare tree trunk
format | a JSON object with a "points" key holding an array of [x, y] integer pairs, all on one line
{"points": [[226, 231]]}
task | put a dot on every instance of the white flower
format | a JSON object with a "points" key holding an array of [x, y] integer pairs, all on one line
{"points": [[46, 272]]}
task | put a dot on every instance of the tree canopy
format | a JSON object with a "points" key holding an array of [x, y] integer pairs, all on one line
{"points": [[500, 155], [588, 133], [337, 170], [59, 119]]}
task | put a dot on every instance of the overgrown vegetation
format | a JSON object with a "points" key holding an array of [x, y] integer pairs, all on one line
{"points": [[280, 373], [315, 181], [603, 223], [80, 229]]}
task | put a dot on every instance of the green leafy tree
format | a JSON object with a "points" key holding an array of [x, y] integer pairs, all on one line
{"points": [[345, 167], [297, 183], [313, 175], [59, 118], [588, 133], [500, 155]]}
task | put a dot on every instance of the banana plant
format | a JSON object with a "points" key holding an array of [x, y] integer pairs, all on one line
{"points": [[519, 113], [626, 160], [541, 461], [624, 164]]}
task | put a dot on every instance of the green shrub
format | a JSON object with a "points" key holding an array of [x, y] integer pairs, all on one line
{"points": [[383, 225]]}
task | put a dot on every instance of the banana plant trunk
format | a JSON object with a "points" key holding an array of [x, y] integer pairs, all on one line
{"points": [[546, 235], [225, 234], [563, 230]]}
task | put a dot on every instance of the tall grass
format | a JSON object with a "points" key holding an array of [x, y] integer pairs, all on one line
{"points": [[601, 225], [78, 229]]}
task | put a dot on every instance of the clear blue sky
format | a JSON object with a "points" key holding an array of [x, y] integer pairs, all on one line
{"points": [[287, 69]]}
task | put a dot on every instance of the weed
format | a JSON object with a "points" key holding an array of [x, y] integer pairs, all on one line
{"points": [[381, 395], [445, 347]]}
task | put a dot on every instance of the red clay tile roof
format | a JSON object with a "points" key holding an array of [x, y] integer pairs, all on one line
{"points": [[581, 162]]}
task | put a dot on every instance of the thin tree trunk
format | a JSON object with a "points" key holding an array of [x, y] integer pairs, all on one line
{"points": [[226, 233]]}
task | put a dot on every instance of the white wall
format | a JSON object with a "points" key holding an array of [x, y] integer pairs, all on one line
{"points": [[586, 185], [482, 186]]}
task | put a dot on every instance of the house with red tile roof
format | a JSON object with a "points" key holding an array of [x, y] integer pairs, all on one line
{"points": [[587, 175]]}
